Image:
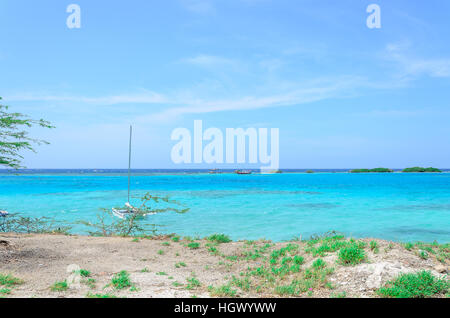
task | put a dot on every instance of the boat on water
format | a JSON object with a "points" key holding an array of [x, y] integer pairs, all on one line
{"points": [[3, 213], [243, 172], [213, 171], [129, 209]]}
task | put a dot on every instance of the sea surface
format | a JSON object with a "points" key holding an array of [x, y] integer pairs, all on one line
{"points": [[396, 206]]}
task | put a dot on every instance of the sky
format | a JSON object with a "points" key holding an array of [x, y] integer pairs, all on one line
{"points": [[342, 95]]}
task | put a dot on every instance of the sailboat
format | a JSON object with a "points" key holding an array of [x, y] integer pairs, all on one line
{"points": [[123, 213]]}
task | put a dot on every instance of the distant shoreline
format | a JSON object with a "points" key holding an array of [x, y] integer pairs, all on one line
{"points": [[153, 172]]}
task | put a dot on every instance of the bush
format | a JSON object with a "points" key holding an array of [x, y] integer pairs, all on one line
{"points": [[219, 238], [421, 169], [121, 280], [419, 285], [351, 255]]}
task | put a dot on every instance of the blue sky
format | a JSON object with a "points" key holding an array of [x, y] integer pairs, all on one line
{"points": [[343, 95]]}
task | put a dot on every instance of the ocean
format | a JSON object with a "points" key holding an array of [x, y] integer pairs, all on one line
{"points": [[396, 206]]}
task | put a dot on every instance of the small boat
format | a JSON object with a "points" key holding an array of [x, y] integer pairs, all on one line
{"points": [[213, 171], [243, 171], [129, 209], [3, 214]]}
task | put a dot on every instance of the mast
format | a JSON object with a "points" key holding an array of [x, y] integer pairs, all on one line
{"points": [[129, 163]]}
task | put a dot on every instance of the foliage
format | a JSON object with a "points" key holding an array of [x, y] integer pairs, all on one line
{"points": [[9, 280], [59, 286], [376, 170], [219, 238], [419, 285], [31, 225], [421, 169], [14, 138], [121, 280], [135, 223], [351, 255]]}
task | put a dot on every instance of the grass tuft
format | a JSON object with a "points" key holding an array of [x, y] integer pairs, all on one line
{"points": [[420, 285]]}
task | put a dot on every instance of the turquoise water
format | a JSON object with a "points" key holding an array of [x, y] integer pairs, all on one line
{"points": [[400, 207]]}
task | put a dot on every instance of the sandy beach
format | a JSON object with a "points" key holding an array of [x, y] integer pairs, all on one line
{"points": [[167, 267]]}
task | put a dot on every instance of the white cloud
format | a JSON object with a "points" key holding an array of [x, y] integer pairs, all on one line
{"points": [[209, 61], [141, 98], [412, 66]]}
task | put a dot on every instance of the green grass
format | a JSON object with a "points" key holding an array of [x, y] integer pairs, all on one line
{"points": [[160, 252], [373, 245], [351, 255], [161, 274], [5, 291], [193, 245], [165, 244], [419, 285], [145, 270], [192, 283], [180, 264], [219, 238], [222, 291], [90, 282], [89, 295], [59, 286], [319, 263], [84, 273], [175, 239], [409, 246], [9, 280], [121, 280], [423, 255]]}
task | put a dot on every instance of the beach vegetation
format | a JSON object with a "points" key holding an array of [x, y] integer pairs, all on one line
{"points": [[222, 291], [5, 291], [121, 280], [161, 274], [14, 137], [219, 238], [175, 239], [419, 285], [59, 286], [351, 255], [84, 273], [90, 282], [376, 170], [9, 280], [145, 270], [90, 295], [193, 245], [160, 252], [165, 244], [16, 223], [108, 225], [421, 169], [180, 264], [192, 283]]}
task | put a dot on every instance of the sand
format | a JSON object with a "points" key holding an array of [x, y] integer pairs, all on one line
{"points": [[42, 260]]}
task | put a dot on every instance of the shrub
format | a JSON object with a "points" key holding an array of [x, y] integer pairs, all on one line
{"points": [[219, 238], [121, 280], [419, 285], [193, 245], [59, 286], [9, 280], [222, 291], [351, 255], [319, 263], [373, 245]]}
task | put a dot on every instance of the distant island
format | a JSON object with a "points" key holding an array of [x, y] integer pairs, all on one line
{"points": [[376, 170], [421, 169]]}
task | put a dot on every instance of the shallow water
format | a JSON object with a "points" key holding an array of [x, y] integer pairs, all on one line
{"points": [[400, 207]]}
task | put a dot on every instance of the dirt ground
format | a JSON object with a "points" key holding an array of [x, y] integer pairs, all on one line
{"points": [[41, 260]]}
